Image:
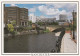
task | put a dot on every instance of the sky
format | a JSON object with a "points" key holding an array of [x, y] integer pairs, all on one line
{"points": [[50, 10]]}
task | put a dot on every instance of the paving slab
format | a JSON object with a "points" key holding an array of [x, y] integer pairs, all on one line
{"points": [[68, 45]]}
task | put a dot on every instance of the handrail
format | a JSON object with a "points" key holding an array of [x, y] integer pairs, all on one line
{"points": [[58, 42]]}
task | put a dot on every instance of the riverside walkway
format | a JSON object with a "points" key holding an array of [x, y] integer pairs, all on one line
{"points": [[68, 45]]}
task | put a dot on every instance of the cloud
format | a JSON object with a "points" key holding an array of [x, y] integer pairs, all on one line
{"points": [[13, 5], [63, 12], [67, 6], [60, 5], [31, 14], [57, 9], [50, 11], [42, 16], [32, 9]]}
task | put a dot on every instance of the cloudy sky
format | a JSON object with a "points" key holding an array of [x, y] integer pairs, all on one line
{"points": [[49, 10]]}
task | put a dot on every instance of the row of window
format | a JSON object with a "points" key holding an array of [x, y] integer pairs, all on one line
{"points": [[23, 23]]}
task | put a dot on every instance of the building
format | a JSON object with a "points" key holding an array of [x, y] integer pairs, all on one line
{"points": [[43, 19], [61, 22], [40, 19], [23, 16], [62, 19], [13, 13], [32, 18], [50, 20]]}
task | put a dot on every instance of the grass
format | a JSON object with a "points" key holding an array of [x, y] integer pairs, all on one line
{"points": [[46, 31]]}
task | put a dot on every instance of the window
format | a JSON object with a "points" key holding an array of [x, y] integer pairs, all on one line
{"points": [[22, 23]]}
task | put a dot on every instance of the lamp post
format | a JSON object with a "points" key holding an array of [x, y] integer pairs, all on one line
{"points": [[73, 24]]}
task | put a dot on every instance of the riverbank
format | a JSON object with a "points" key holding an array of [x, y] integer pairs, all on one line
{"points": [[29, 32]]}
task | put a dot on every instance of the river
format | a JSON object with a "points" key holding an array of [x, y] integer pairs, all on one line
{"points": [[37, 43]]}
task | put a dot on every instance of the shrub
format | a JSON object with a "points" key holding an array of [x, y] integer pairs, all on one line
{"points": [[68, 28], [40, 23], [27, 28], [10, 27], [20, 29], [29, 23], [46, 31]]}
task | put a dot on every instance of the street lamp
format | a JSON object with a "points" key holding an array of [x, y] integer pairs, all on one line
{"points": [[73, 24]]}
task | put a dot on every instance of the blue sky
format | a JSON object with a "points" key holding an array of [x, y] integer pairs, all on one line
{"points": [[48, 10], [37, 12]]}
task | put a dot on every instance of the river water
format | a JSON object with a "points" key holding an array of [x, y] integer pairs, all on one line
{"points": [[36, 43]]}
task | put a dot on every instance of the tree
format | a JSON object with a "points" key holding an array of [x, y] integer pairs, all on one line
{"points": [[40, 23], [29, 23], [20, 29], [10, 27], [54, 23]]}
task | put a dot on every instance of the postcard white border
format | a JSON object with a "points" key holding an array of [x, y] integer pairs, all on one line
{"points": [[32, 2]]}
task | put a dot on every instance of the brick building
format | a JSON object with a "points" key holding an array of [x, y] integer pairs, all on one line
{"points": [[20, 15]]}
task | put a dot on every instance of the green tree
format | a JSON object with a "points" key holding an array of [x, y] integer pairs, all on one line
{"points": [[40, 23], [29, 23], [54, 23], [20, 29], [10, 27]]}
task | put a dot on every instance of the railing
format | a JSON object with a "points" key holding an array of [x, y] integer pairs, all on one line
{"points": [[58, 42]]}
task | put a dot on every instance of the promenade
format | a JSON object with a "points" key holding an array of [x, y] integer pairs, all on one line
{"points": [[68, 45]]}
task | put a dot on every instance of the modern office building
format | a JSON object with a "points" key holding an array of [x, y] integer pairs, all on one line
{"points": [[13, 13], [63, 17]]}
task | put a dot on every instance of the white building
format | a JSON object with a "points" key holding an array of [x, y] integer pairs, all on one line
{"points": [[40, 19], [32, 18], [43, 19], [61, 23]]}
